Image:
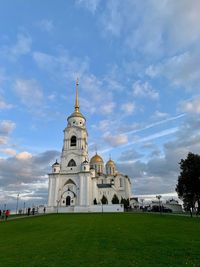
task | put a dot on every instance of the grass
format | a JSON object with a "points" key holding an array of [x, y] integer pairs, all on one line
{"points": [[100, 240]]}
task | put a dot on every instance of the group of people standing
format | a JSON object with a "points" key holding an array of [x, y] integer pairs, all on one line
{"points": [[4, 214]]}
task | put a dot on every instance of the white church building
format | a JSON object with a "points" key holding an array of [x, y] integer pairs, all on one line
{"points": [[80, 184]]}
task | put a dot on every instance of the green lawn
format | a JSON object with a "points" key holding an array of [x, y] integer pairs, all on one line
{"points": [[101, 240]]}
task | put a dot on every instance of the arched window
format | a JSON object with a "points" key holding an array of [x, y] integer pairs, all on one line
{"points": [[71, 163], [73, 140]]}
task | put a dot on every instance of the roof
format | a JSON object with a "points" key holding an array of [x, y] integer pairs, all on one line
{"points": [[110, 162], [96, 159], [56, 163], [76, 114]]}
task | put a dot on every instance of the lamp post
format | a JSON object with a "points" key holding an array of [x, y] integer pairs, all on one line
{"points": [[159, 197], [142, 200], [17, 203], [24, 208]]}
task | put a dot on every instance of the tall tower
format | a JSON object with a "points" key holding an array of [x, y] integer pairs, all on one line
{"points": [[69, 182], [75, 148]]}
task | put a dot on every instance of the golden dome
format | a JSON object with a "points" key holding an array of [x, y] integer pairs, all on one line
{"points": [[96, 159], [76, 114], [110, 162]]}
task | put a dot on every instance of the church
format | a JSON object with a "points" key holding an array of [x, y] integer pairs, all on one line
{"points": [[80, 184]]}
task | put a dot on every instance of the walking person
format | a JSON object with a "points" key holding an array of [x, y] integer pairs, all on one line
{"points": [[44, 210], [33, 211], [7, 213], [29, 211]]}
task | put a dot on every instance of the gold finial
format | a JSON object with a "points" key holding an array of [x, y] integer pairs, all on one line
{"points": [[76, 101]]}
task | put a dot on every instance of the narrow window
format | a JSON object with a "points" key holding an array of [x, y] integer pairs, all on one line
{"points": [[73, 140]]}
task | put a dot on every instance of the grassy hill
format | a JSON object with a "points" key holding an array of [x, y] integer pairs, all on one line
{"points": [[100, 240]]}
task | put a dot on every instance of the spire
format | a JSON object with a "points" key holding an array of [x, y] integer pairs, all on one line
{"points": [[95, 147], [76, 101]]}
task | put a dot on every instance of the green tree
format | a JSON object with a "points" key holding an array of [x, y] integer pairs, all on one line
{"points": [[125, 202], [115, 199], [188, 187], [104, 200]]}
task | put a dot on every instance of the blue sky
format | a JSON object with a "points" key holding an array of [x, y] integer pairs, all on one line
{"points": [[138, 64]]}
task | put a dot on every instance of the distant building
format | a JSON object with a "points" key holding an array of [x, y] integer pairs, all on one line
{"points": [[77, 183]]}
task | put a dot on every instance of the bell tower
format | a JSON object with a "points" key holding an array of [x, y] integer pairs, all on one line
{"points": [[70, 180], [75, 147]]}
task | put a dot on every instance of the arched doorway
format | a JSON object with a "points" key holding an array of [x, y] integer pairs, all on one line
{"points": [[68, 201]]}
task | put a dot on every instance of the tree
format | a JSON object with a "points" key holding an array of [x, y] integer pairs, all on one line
{"points": [[188, 187], [126, 202], [115, 199], [104, 200]]}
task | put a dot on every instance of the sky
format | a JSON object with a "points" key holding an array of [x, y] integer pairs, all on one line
{"points": [[138, 64]]}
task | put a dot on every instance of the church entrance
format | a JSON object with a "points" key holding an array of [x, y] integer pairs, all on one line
{"points": [[68, 201]]}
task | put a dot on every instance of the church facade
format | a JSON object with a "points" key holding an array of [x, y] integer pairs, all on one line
{"points": [[77, 183]]}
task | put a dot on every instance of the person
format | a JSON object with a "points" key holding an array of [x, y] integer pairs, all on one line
{"points": [[44, 210], [29, 211], [0, 213], [33, 211], [7, 213]]}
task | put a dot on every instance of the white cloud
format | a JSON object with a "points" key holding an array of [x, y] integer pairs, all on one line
{"points": [[128, 108], [103, 125], [153, 27], [4, 105], [24, 155], [20, 48], [29, 92], [192, 106], [116, 140], [63, 64], [112, 18], [6, 127], [129, 155], [8, 151], [46, 25], [52, 97], [91, 5], [3, 140], [182, 70], [144, 90], [28, 178], [160, 115], [107, 108], [159, 173]]}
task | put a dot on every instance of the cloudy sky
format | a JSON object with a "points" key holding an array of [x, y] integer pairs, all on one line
{"points": [[138, 64]]}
